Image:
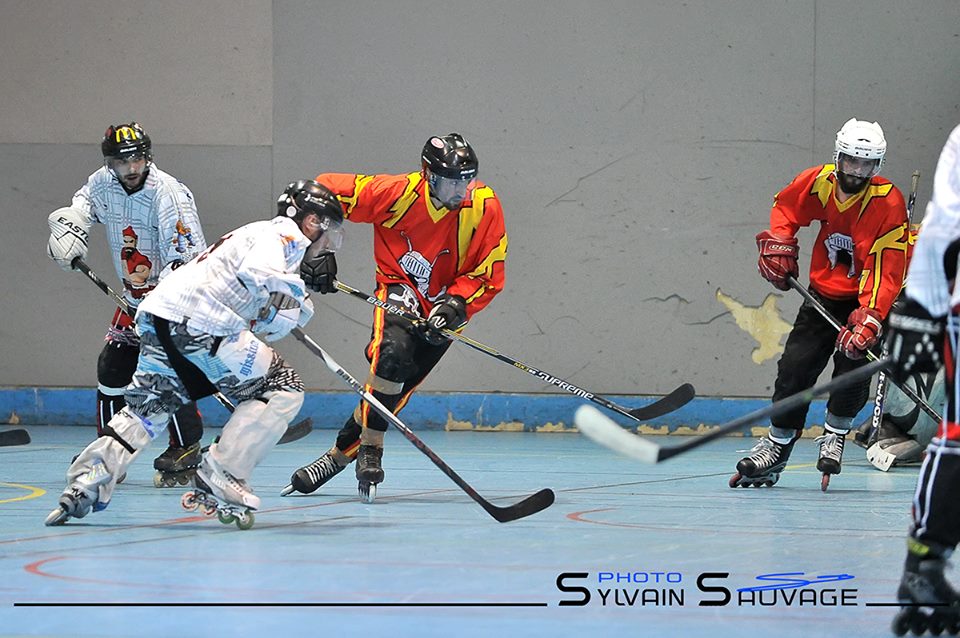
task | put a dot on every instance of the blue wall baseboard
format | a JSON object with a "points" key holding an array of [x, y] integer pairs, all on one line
{"points": [[426, 411]]}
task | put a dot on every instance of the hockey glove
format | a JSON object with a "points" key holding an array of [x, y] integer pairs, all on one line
{"points": [[69, 232], [449, 314], [278, 317], [915, 341], [319, 271], [778, 258], [860, 334]]}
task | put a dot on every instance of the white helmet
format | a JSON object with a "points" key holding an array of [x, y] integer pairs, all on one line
{"points": [[862, 141]]}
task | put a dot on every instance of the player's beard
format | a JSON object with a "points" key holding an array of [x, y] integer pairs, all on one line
{"points": [[127, 253]]}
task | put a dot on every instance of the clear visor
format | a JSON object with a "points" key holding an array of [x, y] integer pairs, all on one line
{"points": [[449, 191], [857, 166], [331, 232]]}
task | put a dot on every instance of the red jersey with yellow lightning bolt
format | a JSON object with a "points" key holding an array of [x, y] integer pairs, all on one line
{"points": [[435, 250], [861, 250]]}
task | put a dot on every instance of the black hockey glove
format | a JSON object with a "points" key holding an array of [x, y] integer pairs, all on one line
{"points": [[449, 314], [915, 341], [319, 271]]}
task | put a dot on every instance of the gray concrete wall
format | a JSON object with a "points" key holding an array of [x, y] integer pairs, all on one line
{"points": [[636, 147]]}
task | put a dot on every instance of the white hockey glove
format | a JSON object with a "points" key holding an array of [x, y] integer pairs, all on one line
{"points": [[278, 317], [69, 233]]}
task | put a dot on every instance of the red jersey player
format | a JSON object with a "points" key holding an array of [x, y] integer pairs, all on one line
{"points": [[440, 247], [856, 271]]}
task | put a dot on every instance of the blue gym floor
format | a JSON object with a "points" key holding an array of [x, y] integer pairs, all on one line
{"points": [[425, 560]]}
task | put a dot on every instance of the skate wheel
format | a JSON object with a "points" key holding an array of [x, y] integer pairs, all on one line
{"points": [[226, 517], [189, 501], [935, 625], [209, 509], [918, 623], [56, 517], [734, 480], [245, 520], [824, 482], [368, 492], [183, 479]]}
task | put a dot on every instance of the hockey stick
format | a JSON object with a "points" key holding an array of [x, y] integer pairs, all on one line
{"points": [[606, 432], [664, 405], [871, 356], [530, 505], [294, 432], [884, 460], [14, 437]]}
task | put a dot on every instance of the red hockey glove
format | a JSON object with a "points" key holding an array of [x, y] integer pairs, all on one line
{"points": [[860, 334], [778, 258]]}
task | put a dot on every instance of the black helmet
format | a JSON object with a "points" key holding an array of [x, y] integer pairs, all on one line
{"points": [[301, 198], [450, 156], [307, 196], [126, 140]]}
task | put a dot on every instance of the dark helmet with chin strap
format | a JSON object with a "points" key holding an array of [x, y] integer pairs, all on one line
{"points": [[450, 166], [302, 198]]}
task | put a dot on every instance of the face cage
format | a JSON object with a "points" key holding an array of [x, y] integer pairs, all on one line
{"points": [[840, 156]]}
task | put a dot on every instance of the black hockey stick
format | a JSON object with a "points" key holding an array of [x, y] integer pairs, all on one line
{"points": [[664, 405], [14, 437], [877, 417], [603, 430], [530, 505], [294, 432], [906, 389]]}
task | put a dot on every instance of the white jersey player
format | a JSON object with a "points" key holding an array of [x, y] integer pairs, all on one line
{"points": [[152, 226], [925, 332], [201, 326]]}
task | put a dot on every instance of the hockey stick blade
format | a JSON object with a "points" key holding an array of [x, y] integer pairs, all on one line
{"points": [[297, 431], [606, 432], [666, 404], [530, 505], [14, 437], [646, 412]]}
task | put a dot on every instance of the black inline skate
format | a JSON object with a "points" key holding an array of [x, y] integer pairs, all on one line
{"points": [[928, 602], [369, 472], [762, 467], [176, 466]]}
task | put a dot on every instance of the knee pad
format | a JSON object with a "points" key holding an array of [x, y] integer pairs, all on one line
{"points": [[395, 361], [116, 365]]}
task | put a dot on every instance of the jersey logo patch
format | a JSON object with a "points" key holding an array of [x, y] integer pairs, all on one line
{"points": [[419, 269], [840, 250]]}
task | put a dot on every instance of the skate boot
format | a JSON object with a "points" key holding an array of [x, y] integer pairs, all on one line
{"points": [[80, 496], [310, 477], [927, 600], [369, 471], [831, 453], [221, 493], [762, 467], [176, 466]]}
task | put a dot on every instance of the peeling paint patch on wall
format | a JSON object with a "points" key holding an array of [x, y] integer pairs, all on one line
{"points": [[763, 323]]}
